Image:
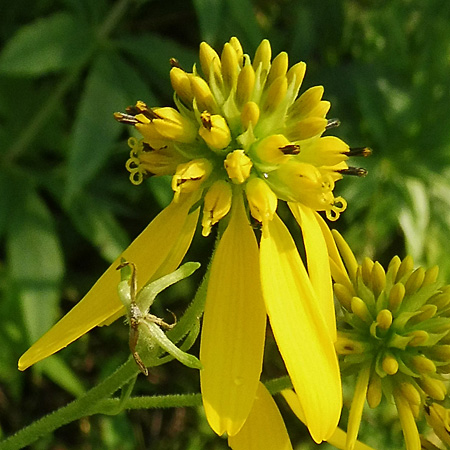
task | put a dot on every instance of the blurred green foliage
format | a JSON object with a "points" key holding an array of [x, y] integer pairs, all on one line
{"points": [[67, 208]]}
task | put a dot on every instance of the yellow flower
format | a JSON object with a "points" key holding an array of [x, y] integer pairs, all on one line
{"points": [[393, 335], [264, 427], [240, 140]]}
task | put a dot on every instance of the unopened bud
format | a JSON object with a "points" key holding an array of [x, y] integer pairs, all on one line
{"points": [[261, 199], [374, 391], [360, 309], [423, 364], [433, 387], [390, 365], [214, 131], [238, 166], [249, 115], [396, 296], [217, 204], [384, 319], [415, 281]]}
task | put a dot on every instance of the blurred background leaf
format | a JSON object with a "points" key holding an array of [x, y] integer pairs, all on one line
{"points": [[67, 207]]}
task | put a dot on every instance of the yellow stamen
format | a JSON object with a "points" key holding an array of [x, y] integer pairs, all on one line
{"points": [[238, 166]]}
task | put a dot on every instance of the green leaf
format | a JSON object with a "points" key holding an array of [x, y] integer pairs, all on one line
{"points": [[153, 53], [62, 375], [112, 84], [35, 260], [210, 15], [98, 225], [46, 45], [414, 218]]}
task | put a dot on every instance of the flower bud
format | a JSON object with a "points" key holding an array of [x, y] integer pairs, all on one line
{"points": [[405, 268], [261, 199], [384, 319], [396, 296], [374, 391], [217, 204], [275, 95], [249, 115], [238, 166], [306, 128], [415, 281], [343, 295], [189, 176], [433, 387], [278, 68], [230, 66], [168, 124], [181, 85], [214, 131], [245, 85], [210, 62], [378, 279], [263, 55], [360, 309], [423, 364], [295, 75], [203, 95], [303, 106], [390, 365], [270, 150]]}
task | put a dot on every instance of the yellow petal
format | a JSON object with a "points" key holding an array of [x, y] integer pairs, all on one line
{"points": [[408, 422], [317, 262], [233, 330], [148, 252], [264, 428], [338, 438], [338, 270], [356, 409], [300, 331]]}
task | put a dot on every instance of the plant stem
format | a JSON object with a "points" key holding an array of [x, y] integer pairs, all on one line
{"points": [[81, 407]]}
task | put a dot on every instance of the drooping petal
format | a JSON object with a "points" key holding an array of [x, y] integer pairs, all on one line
{"points": [[264, 428], [233, 330], [317, 261], [356, 410], [338, 271], [148, 252], [338, 438], [300, 331]]}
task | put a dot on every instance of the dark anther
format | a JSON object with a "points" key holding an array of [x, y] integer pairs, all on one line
{"points": [[205, 117], [147, 147], [141, 108], [355, 171], [125, 118], [360, 151], [332, 123], [174, 63], [290, 149]]}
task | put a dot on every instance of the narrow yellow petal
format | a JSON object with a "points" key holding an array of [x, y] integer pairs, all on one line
{"points": [[300, 331], [338, 438], [233, 330], [317, 262], [408, 422], [148, 252], [356, 409], [264, 428]]}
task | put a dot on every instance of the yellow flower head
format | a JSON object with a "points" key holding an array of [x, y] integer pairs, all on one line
{"points": [[246, 116], [239, 140], [394, 335]]}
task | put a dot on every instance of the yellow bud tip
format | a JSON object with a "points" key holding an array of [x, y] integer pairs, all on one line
{"points": [[214, 131], [238, 166], [189, 176], [261, 199], [217, 204], [390, 365]]}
